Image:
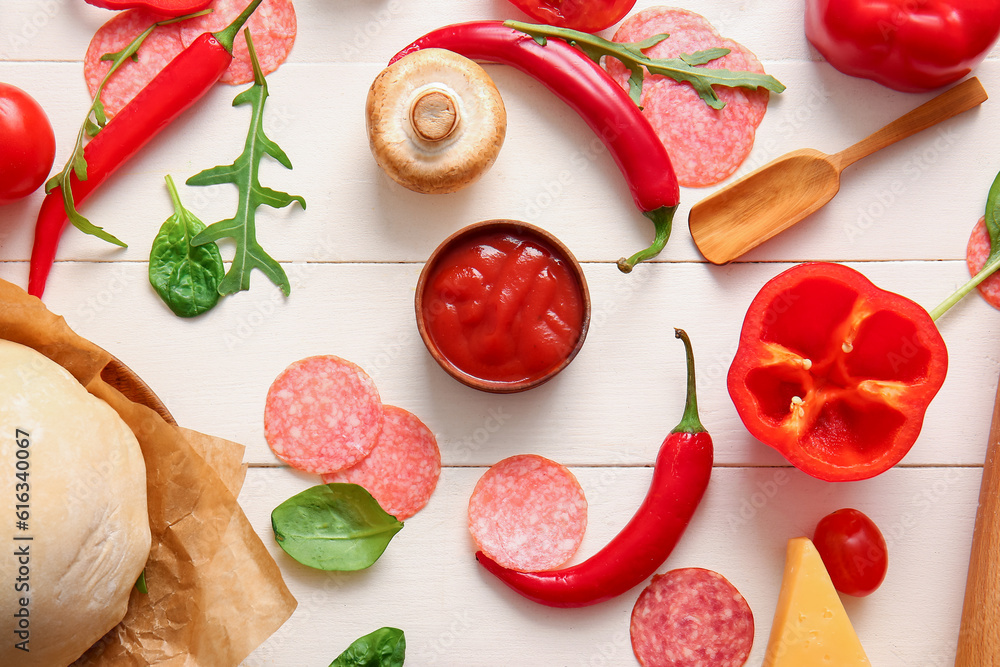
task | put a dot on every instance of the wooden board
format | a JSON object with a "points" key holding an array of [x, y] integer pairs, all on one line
{"points": [[902, 217]]}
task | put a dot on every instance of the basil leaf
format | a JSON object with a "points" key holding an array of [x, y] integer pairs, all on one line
{"points": [[386, 647], [185, 276], [334, 527]]}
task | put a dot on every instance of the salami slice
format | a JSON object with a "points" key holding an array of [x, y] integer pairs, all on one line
{"points": [[528, 513], [273, 26], [322, 414], [159, 49], [976, 255], [403, 468], [706, 145], [691, 617]]}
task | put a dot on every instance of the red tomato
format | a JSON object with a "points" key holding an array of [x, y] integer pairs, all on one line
{"points": [[27, 144], [853, 550], [585, 15]]}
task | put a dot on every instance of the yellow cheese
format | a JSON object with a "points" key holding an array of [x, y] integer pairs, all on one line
{"points": [[811, 627]]}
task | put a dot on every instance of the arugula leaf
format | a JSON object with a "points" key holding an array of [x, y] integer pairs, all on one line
{"points": [[186, 277], [386, 647], [684, 68], [334, 526], [94, 122], [244, 173]]}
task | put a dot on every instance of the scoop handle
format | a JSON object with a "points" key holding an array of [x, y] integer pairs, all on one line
{"points": [[957, 99], [979, 637]]}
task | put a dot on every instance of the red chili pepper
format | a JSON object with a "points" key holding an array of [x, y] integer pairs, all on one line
{"points": [[180, 84], [585, 15], [680, 476], [908, 45], [161, 7], [595, 96], [835, 373]]}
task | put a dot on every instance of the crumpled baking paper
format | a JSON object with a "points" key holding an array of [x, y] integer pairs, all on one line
{"points": [[215, 593]]}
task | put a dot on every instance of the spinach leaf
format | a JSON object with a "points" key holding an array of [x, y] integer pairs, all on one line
{"points": [[185, 276], [334, 527], [386, 647], [244, 173]]}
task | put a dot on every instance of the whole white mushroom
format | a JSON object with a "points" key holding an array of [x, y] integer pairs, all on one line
{"points": [[435, 121]]}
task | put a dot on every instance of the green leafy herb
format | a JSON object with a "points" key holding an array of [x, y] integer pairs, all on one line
{"points": [[94, 122], [244, 173], [683, 68], [186, 277], [140, 583], [992, 260], [386, 647], [334, 527]]}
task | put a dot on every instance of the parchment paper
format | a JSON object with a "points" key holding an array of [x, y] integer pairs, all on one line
{"points": [[215, 593]]}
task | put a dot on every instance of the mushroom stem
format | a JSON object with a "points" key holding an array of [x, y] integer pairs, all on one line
{"points": [[434, 115]]}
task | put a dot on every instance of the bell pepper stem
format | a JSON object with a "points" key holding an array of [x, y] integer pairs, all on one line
{"points": [[227, 35], [690, 423], [983, 274], [663, 219]]}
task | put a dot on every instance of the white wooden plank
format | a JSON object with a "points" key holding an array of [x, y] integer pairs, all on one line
{"points": [[613, 404], [454, 613], [901, 203]]}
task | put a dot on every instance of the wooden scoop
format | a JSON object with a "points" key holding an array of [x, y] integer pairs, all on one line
{"points": [[771, 199]]}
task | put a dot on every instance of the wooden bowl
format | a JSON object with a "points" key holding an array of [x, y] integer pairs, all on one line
{"points": [[124, 379], [572, 285]]}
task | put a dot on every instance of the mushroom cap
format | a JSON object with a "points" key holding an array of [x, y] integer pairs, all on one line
{"points": [[435, 121]]}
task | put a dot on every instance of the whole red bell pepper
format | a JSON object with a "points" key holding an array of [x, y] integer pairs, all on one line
{"points": [[161, 7], [908, 45], [585, 15], [835, 373]]}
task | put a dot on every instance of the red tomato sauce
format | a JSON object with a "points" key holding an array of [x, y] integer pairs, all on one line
{"points": [[503, 307]]}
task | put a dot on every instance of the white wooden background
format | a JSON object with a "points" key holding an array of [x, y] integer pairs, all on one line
{"points": [[903, 218]]}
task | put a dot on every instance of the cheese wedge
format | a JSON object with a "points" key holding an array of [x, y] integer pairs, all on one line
{"points": [[811, 627]]}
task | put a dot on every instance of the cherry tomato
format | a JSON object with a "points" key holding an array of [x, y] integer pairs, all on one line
{"points": [[585, 15], [853, 550], [27, 144]]}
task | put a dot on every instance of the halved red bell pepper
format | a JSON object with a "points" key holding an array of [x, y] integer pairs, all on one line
{"points": [[835, 373], [908, 45]]}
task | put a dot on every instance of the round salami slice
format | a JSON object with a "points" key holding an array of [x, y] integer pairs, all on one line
{"points": [[976, 254], [403, 468], [528, 513], [322, 414], [691, 618], [706, 145], [156, 51], [273, 26]]}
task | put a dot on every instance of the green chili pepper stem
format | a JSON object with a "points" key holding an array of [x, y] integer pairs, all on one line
{"points": [[690, 423], [663, 219], [227, 35]]}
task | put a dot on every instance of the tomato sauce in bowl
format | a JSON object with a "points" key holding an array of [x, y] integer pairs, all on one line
{"points": [[502, 306]]}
